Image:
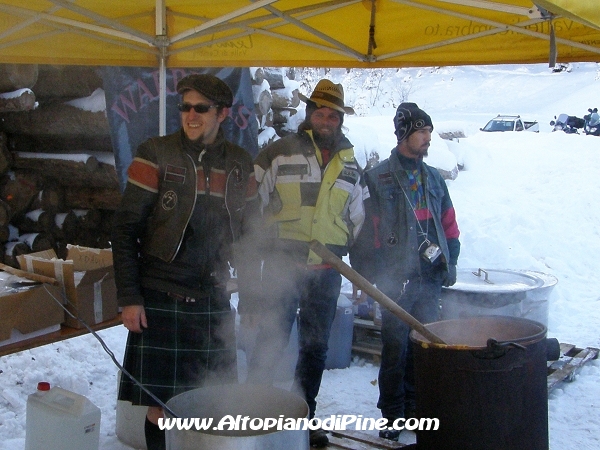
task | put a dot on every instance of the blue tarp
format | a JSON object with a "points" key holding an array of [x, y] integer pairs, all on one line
{"points": [[132, 107]]}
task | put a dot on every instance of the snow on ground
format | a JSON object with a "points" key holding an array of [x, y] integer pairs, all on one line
{"points": [[524, 201]]}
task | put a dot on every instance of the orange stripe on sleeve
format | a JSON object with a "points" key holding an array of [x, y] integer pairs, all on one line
{"points": [[144, 174]]}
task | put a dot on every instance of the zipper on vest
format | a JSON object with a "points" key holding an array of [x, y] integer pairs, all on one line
{"points": [[206, 178], [191, 210], [206, 173]]}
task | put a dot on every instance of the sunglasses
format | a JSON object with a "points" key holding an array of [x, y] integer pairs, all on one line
{"points": [[200, 108]]}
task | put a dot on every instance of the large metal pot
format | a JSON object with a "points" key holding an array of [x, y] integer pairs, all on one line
{"points": [[536, 305], [480, 292], [256, 402], [487, 385]]}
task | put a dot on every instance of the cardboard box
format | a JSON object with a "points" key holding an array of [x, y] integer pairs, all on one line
{"points": [[87, 279], [27, 312]]}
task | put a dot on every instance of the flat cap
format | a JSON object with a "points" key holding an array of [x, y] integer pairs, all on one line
{"points": [[210, 86]]}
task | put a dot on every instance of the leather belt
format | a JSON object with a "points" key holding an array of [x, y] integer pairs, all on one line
{"points": [[181, 298]]}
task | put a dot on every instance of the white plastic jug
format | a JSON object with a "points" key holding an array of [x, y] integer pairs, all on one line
{"points": [[58, 419], [130, 421]]}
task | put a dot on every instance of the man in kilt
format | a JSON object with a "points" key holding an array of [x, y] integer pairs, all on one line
{"points": [[187, 208]]}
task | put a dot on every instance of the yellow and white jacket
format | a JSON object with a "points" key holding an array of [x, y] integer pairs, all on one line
{"points": [[302, 201]]}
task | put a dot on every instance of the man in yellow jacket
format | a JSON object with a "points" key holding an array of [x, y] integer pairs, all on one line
{"points": [[310, 187]]}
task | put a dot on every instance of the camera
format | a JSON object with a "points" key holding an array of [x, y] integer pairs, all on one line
{"points": [[431, 253]]}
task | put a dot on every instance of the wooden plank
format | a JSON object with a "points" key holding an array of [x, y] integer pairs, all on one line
{"points": [[346, 444], [569, 364], [364, 323], [366, 338], [365, 440], [365, 348], [565, 349]]}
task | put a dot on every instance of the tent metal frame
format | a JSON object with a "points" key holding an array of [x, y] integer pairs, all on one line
{"points": [[271, 18]]}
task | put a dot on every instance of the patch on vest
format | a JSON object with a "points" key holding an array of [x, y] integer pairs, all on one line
{"points": [[292, 169], [169, 200], [175, 174], [385, 178], [391, 239], [238, 177]]}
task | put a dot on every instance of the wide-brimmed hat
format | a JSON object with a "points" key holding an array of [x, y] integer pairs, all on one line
{"points": [[330, 95], [212, 87]]}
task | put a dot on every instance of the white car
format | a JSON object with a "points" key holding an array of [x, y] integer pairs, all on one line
{"points": [[510, 123]]}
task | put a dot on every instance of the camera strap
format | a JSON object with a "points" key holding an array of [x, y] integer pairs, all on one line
{"points": [[421, 232]]}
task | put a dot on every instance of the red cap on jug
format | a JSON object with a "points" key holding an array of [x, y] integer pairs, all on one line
{"points": [[43, 386]]}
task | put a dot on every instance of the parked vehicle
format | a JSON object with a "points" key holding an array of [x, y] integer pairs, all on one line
{"points": [[511, 123], [592, 122], [568, 124]]}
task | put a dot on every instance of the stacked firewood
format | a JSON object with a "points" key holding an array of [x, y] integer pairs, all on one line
{"points": [[37, 212], [58, 184], [275, 102]]}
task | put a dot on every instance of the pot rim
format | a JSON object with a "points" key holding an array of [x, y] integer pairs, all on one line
{"points": [[538, 332], [219, 401], [479, 281]]}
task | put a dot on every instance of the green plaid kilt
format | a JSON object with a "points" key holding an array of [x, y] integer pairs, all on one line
{"points": [[185, 346]]}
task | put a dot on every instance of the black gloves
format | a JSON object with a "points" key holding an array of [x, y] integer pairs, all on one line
{"points": [[450, 278]]}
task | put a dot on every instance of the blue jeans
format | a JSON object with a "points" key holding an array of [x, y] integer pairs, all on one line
{"points": [[396, 373], [313, 294]]}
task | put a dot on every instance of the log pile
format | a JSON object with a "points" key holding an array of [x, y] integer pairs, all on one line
{"points": [[38, 212], [58, 183], [276, 102]]}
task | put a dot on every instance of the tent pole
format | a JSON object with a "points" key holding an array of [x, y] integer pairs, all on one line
{"points": [[372, 44], [162, 42], [162, 94]]}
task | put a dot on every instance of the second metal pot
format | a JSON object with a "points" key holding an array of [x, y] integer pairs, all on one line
{"points": [[255, 402], [480, 292]]}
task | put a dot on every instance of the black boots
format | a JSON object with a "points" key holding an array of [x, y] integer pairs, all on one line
{"points": [[155, 437], [318, 438]]}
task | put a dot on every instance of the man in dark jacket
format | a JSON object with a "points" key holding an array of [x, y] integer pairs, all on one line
{"points": [[190, 199], [409, 248]]}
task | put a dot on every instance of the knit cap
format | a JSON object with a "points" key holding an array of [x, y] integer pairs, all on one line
{"points": [[408, 119]]}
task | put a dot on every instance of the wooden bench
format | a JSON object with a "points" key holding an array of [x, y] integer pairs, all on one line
{"points": [[65, 332]]}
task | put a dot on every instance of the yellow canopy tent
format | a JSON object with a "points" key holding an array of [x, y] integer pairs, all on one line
{"points": [[584, 11], [332, 33]]}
